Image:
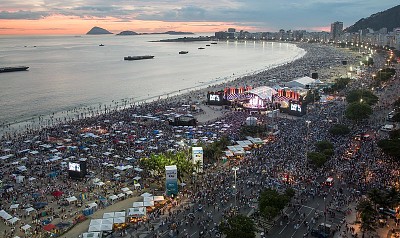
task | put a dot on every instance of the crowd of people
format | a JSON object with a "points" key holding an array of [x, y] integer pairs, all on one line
{"points": [[121, 137]]}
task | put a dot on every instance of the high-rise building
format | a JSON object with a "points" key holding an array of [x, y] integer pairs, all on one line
{"points": [[231, 30], [336, 30]]}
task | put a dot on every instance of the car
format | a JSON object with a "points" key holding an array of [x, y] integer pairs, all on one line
{"points": [[387, 127]]}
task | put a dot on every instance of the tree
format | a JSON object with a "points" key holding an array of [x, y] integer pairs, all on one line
{"points": [[367, 214], [362, 95], [271, 202], [339, 130], [358, 111], [318, 159], [238, 226]]}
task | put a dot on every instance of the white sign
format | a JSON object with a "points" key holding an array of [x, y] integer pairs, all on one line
{"points": [[197, 155], [171, 172]]}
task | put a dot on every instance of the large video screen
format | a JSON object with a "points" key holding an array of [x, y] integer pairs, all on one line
{"points": [[74, 167]]}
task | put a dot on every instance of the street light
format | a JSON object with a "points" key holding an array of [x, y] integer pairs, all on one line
{"points": [[235, 185]]}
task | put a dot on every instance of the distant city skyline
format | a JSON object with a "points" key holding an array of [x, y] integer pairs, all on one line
{"points": [[79, 16]]}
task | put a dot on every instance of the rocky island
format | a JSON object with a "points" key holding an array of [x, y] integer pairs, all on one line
{"points": [[98, 31]]}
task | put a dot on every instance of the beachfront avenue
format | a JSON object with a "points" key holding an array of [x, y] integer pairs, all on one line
{"points": [[127, 150]]}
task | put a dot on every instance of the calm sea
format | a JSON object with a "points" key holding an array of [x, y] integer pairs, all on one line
{"points": [[68, 72]]}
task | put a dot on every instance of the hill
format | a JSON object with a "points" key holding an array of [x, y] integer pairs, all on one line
{"points": [[98, 31], [389, 19], [127, 33]]}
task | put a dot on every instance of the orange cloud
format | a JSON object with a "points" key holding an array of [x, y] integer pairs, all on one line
{"points": [[64, 25]]}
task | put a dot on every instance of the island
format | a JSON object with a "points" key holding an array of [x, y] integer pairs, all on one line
{"points": [[127, 33], [98, 31]]}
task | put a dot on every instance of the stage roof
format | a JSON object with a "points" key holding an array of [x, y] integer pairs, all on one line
{"points": [[263, 92]]}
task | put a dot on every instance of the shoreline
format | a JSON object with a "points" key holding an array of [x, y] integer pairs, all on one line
{"points": [[39, 122]]}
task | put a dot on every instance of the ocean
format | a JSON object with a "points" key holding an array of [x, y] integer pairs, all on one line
{"points": [[71, 72]]}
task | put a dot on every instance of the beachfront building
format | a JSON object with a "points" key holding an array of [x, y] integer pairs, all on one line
{"points": [[336, 30]]}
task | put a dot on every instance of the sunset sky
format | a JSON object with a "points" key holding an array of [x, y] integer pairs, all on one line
{"points": [[79, 16]]}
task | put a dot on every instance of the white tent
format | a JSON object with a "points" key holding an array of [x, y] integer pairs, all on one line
{"points": [[301, 82], [13, 220], [29, 209], [72, 199], [113, 197], [158, 198], [108, 215], [26, 227], [14, 206], [92, 205], [95, 222], [146, 195], [118, 220], [93, 228], [137, 211], [5, 215], [119, 214], [138, 204]]}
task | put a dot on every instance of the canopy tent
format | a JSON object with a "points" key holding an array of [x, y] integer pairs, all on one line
{"points": [[146, 195], [92, 205], [5, 215], [57, 193], [108, 215], [137, 211], [158, 198], [72, 199], [29, 209], [138, 204], [13, 220], [118, 220], [14, 206], [119, 214], [26, 227], [113, 197]]}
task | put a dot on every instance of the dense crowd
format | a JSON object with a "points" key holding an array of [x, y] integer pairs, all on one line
{"points": [[120, 137]]}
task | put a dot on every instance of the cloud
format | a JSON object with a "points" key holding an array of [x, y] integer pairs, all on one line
{"points": [[27, 15], [266, 14]]}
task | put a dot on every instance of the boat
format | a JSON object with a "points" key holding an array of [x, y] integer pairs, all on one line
{"points": [[207, 45], [101, 45], [183, 52], [214, 43], [201, 48], [13, 69], [140, 57]]}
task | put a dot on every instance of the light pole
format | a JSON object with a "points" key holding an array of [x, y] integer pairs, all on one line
{"points": [[235, 185]]}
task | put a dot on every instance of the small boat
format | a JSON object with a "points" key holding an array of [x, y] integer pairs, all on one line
{"points": [[183, 52], [214, 43], [140, 57], [207, 45], [201, 48], [101, 45], [13, 69]]}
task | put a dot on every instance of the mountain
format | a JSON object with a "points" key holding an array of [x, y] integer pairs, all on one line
{"points": [[98, 31], [389, 19], [127, 33]]}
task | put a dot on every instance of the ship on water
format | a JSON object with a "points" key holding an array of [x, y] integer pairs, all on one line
{"points": [[13, 69], [183, 52], [140, 57]]}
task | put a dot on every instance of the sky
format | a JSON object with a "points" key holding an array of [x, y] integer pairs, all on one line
{"points": [[51, 17]]}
